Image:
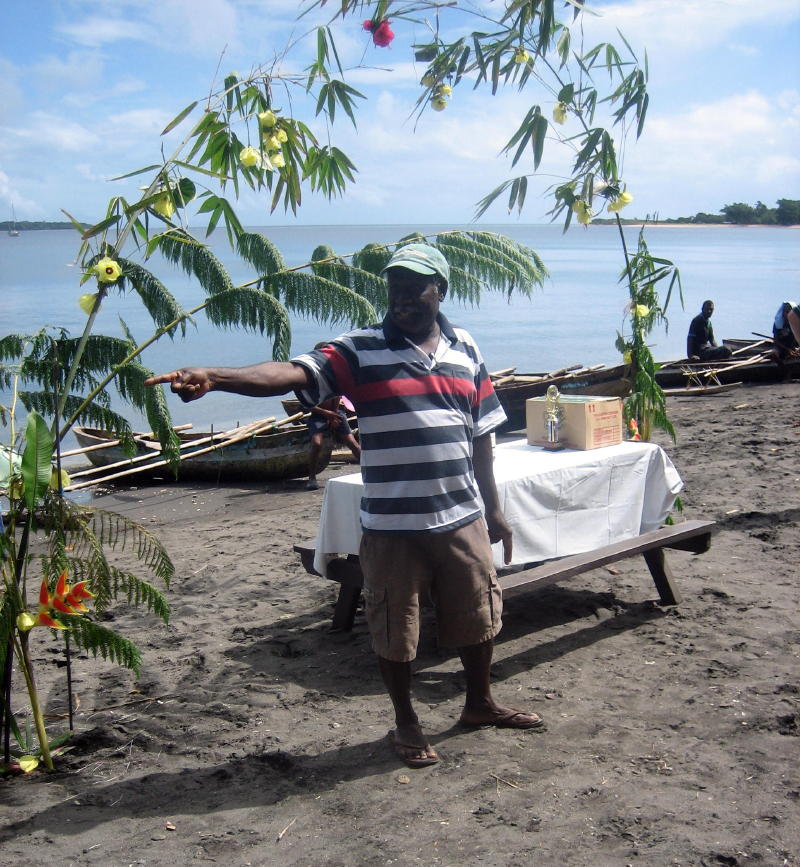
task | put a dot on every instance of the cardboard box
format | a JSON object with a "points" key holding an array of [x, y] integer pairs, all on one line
{"points": [[586, 422]]}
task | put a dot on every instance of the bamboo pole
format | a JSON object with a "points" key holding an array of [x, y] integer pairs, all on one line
{"points": [[109, 443], [244, 433]]}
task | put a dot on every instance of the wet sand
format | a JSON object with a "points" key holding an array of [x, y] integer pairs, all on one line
{"points": [[256, 736]]}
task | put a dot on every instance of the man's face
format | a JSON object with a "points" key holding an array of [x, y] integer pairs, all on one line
{"points": [[708, 309], [413, 301]]}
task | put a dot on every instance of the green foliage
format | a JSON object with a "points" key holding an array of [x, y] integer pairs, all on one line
{"points": [[35, 467], [98, 640]]}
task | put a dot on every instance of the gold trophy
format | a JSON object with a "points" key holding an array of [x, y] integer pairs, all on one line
{"points": [[552, 419]]}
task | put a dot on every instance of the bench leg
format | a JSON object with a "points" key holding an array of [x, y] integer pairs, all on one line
{"points": [[345, 611], [663, 578]]}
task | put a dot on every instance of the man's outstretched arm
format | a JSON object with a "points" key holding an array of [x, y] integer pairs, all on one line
{"points": [[258, 380]]}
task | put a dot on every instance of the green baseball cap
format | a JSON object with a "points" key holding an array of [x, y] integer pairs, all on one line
{"points": [[421, 258]]}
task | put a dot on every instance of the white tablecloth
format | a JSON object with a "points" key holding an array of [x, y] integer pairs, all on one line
{"points": [[557, 503]]}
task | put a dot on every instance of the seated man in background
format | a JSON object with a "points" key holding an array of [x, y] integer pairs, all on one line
{"points": [[785, 341], [700, 342]]}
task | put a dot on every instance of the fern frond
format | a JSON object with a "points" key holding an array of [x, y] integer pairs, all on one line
{"points": [[121, 584], [260, 252], [160, 303], [8, 372], [252, 308], [117, 530], [196, 259], [321, 299], [372, 257], [97, 639], [498, 262], [94, 415]]}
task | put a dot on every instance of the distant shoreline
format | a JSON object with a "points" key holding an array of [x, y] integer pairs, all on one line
{"points": [[672, 224]]}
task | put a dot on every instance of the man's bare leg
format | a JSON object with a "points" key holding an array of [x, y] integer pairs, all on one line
{"points": [[313, 459], [480, 708], [408, 740]]}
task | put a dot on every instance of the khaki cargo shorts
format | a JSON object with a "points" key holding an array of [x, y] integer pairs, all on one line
{"points": [[452, 570]]}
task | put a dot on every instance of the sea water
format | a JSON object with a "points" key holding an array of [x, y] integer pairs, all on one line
{"points": [[573, 319]]}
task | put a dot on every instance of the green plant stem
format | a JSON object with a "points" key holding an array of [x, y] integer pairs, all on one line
{"points": [[27, 672]]}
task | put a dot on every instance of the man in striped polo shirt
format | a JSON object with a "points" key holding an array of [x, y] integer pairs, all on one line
{"points": [[426, 408]]}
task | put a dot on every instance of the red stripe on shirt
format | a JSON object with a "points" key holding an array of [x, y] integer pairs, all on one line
{"points": [[406, 386]]}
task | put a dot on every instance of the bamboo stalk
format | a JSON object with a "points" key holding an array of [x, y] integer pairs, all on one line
{"points": [[221, 439], [247, 431], [498, 374], [110, 443]]}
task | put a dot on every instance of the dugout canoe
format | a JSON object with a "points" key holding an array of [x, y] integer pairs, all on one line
{"points": [[267, 456]]}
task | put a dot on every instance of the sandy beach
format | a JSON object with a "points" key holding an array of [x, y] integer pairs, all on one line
{"points": [[255, 736]]}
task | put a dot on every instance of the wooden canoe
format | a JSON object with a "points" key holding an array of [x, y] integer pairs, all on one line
{"points": [[267, 456], [752, 361]]}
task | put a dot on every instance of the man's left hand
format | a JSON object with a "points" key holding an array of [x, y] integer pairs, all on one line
{"points": [[499, 531]]}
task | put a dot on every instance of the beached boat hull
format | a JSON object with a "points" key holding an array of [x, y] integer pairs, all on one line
{"points": [[683, 373], [263, 457], [606, 382]]}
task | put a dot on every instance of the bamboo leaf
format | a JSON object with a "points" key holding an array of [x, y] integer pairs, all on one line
{"points": [[100, 227], [175, 121]]}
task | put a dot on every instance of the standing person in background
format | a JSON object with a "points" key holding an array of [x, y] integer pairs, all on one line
{"points": [[329, 417], [700, 342], [426, 409]]}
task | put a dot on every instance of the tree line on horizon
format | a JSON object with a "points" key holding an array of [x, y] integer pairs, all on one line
{"points": [[787, 213]]}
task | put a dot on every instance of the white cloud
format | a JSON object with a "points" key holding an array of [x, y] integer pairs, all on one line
{"points": [[46, 130], [99, 30], [680, 26], [79, 70]]}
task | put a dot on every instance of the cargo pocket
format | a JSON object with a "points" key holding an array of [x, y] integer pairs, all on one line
{"points": [[377, 614]]}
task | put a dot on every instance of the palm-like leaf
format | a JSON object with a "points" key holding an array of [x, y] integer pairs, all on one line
{"points": [[196, 259], [97, 639], [252, 308], [157, 299], [260, 252]]}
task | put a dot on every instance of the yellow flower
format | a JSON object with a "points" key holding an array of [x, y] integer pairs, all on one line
{"points": [[438, 103], [249, 157], [164, 206], [267, 119], [627, 356], [86, 302], [521, 55], [272, 142], [616, 205], [277, 160], [641, 310], [107, 270], [445, 90], [63, 478], [428, 80], [582, 211], [281, 136], [25, 621], [560, 112]]}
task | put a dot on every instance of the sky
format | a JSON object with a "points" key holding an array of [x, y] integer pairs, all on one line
{"points": [[86, 86]]}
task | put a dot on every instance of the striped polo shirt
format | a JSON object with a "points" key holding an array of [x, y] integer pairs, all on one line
{"points": [[417, 416]]}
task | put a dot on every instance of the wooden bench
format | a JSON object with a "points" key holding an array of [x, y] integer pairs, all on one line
{"points": [[692, 536]]}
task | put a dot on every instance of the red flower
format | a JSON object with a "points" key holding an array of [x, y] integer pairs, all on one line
{"points": [[382, 33]]}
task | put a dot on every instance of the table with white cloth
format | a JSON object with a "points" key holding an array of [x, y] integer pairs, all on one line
{"points": [[556, 503], [570, 511]]}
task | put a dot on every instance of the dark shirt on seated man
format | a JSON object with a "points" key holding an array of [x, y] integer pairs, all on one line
{"points": [[783, 339], [700, 342]]}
